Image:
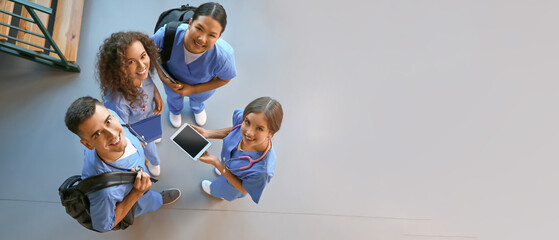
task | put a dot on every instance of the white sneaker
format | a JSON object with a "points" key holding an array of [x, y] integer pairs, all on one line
{"points": [[201, 118], [217, 172], [206, 186], [157, 140], [154, 170], [175, 119]]}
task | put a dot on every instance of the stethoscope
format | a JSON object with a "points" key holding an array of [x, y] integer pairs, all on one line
{"points": [[248, 158], [135, 133]]}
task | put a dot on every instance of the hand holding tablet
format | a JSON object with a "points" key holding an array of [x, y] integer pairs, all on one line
{"points": [[190, 141]]}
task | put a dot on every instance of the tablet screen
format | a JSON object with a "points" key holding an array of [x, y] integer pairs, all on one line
{"points": [[190, 141]]}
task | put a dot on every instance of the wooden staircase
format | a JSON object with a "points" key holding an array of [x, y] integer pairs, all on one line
{"points": [[45, 31]]}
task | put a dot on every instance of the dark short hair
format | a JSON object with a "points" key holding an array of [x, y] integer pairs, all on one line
{"points": [[271, 109], [79, 111], [214, 10]]}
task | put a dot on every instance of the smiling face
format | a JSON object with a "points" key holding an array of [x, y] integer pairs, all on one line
{"points": [[137, 63], [202, 34], [103, 132], [256, 134]]}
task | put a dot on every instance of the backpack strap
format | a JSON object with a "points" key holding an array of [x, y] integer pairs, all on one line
{"points": [[168, 40], [68, 183], [104, 180]]}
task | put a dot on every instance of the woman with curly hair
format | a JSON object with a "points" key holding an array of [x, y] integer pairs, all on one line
{"points": [[124, 62]]}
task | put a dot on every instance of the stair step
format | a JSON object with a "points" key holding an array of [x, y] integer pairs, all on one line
{"points": [[7, 6], [67, 27], [32, 27]]}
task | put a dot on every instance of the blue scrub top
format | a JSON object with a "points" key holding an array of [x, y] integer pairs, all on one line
{"points": [[103, 202], [218, 61], [255, 178], [116, 102]]}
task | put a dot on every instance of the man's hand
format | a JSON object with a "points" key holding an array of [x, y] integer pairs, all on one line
{"points": [[142, 183]]}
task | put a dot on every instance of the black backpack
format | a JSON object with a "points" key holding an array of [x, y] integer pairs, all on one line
{"points": [[173, 18], [74, 196]]}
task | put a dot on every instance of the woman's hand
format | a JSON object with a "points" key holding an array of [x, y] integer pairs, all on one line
{"points": [[200, 130], [186, 90], [158, 102], [182, 89], [209, 159]]}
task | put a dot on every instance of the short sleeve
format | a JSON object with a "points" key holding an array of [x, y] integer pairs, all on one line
{"points": [[158, 37], [227, 70], [237, 117], [102, 209], [254, 184], [122, 111]]}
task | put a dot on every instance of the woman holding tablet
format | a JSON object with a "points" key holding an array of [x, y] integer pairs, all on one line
{"points": [[248, 159], [124, 62], [200, 61]]}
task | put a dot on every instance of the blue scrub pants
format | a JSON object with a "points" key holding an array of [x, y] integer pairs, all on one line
{"points": [[151, 153], [150, 202], [176, 102], [221, 188]]}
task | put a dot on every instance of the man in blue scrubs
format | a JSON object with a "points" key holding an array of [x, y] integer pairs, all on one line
{"points": [[111, 148]]}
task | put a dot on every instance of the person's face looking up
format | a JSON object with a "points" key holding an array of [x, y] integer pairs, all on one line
{"points": [[202, 34], [256, 134], [103, 132], [137, 63]]}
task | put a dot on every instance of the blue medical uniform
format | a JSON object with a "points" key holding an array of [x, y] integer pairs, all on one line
{"points": [[121, 106], [218, 61], [254, 179], [103, 202]]}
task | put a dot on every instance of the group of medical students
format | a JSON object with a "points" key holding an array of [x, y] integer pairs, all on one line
{"points": [[200, 62]]}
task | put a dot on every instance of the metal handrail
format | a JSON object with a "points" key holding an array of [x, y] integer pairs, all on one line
{"points": [[21, 29], [18, 16], [34, 6], [28, 43], [32, 55]]}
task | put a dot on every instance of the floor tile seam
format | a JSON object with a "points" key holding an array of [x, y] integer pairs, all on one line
{"points": [[440, 236], [27, 200], [302, 214], [256, 212]]}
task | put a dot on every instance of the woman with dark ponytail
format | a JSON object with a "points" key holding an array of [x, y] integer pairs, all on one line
{"points": [[200, 61]]}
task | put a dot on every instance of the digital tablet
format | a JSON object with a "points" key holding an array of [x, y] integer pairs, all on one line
{"points": [[169, 79], [190, 141]]}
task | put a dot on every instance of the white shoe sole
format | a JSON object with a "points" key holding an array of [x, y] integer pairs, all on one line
{"points": [[201, 118], [175, 120], [154, 170]]}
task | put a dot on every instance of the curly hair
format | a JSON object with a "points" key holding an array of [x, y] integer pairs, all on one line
{"points": [[111, 65]]}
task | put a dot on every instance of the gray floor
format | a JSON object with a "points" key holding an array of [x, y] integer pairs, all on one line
{"points": [[403, 120]]}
